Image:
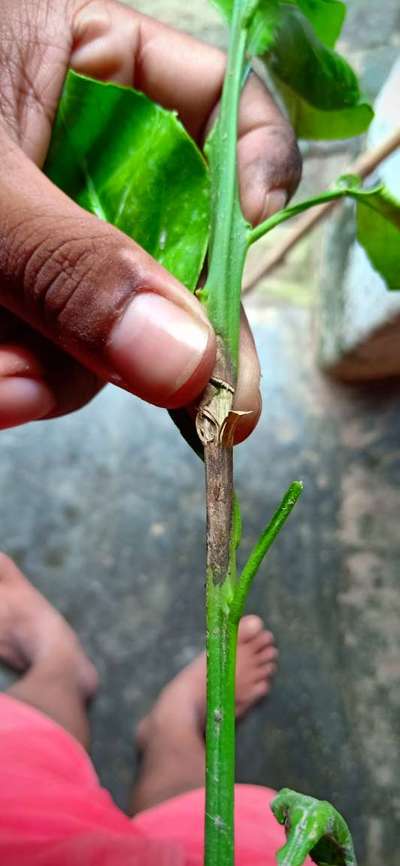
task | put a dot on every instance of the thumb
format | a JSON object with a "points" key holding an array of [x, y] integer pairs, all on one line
{"points": [[96, 293]]}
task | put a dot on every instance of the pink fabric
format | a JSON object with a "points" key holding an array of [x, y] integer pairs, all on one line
{"points": [[53, 811], [258, 835]]}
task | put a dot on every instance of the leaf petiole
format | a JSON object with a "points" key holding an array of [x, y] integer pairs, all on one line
{"points": [[288, 212]]}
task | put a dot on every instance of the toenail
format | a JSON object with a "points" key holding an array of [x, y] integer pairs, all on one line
{"points": [[253, 623]]}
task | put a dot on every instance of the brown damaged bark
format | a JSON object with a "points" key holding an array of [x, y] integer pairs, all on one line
{"points": [[215, 430]]}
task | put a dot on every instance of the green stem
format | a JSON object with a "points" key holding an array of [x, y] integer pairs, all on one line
{"points": [[228, 244], [289, 212], [220, 728], [221, 295], [263, 545]]}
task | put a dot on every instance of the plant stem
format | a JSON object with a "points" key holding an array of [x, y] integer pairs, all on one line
{"points": [[221, 296], [220, 728], [276, 219], [228, 245], [219, 467], [221, 632], [263, 545]]}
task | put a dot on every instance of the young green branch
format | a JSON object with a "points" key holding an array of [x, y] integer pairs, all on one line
{"points": [[215, 422], [262, 547]]}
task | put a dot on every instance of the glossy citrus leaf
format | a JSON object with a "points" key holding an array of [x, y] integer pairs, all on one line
{"points": [[263, 20], [260, 17], [381, 241], [313, 827], [378, 227], [317, 73], [320, 89], [313, 124], [326, 16], [131, 162]]}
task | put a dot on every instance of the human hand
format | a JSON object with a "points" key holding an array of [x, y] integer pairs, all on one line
{"points": [[80, 303]]}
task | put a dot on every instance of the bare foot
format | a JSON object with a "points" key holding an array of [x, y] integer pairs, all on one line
{"points": [[185, 695], [32, 632], [171, 737]]}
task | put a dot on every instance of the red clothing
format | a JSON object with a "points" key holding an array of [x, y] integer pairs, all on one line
{"points": [[53, 811]]}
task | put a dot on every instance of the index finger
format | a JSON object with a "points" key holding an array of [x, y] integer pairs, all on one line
{"points": [[114, 42]]}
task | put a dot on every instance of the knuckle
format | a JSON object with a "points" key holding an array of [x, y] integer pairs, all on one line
{"points": [[74, 278]]}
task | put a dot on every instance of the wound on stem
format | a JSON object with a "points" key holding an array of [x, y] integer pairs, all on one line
{"points": [[212, 416]]}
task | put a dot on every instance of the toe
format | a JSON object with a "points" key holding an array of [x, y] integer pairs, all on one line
{"points": [[266, 671], [89, 678], [8, 569], [142, 734], [260, 690], [270, 654], [249, 628], [263, 640]]}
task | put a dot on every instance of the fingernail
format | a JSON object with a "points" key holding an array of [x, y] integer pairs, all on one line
{"points": [[157, 347], [275, 200], [23, 400]]}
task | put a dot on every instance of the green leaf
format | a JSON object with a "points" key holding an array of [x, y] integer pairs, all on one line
{"points": [[319, 87], [259, 17], [130, 162], [381, 241], [312, 124], [315, 72], [224, 6], [326, 16], [378, 227], [262, 21], [314, 828]]}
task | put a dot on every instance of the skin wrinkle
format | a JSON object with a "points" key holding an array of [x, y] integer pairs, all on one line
{"points": [[46, 260], [56, 281], [91, 325], [23, 88], [91, 319], [62, 264]]}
